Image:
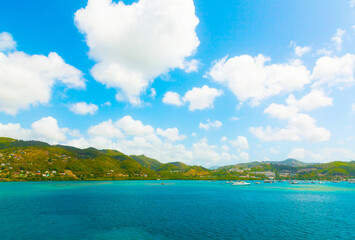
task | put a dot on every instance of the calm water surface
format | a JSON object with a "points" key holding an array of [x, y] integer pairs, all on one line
{"points": [[176, 210]]}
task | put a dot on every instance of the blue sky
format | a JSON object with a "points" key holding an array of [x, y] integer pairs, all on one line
{"points": [[194, 81]]}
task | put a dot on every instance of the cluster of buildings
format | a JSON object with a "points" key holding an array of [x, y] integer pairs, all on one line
{"points": [[252, 174]]}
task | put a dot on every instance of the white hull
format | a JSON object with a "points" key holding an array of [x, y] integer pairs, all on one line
{"points": [[240, 184]]}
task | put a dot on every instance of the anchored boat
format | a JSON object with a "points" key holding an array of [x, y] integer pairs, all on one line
{"points": [[240, 183]]}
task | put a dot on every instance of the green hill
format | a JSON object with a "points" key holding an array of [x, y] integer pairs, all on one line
{"points": [[337, 168], [63, 162], [145, 161], [4, 140]]}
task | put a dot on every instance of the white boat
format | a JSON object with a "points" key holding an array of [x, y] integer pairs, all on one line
{"points": [[295, 182], [240, 183]]}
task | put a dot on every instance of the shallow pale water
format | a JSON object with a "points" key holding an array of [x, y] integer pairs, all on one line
{"points": [[176, 210]]}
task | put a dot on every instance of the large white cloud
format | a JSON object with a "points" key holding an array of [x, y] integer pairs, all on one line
{"points": [[251, 79], [27, 80], [172, 98], [198, 98], [134, 127], [133, 44], [171, 134], [14, 130], [334, 71], [45, 129], [300, 126], [315, 99], [106, 129], [201, 98]]}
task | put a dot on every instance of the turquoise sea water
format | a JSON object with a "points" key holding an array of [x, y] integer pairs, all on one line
{"points": [[176, 210]]}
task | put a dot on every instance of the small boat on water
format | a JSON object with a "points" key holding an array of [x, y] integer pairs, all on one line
{"points": [[320, 182], [257, 183], [295, 182], [268, 181], [240, 183]]}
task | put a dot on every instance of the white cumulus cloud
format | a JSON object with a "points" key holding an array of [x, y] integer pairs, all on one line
{"points": [[201, 98], [300, 126], [105, 129], [27, 80], [197, 98], [241, 143], [133, 44], [315, 99], [172, 98], [45, 129], [334, 71], [249, 78], [83, 108], [171, 134]]}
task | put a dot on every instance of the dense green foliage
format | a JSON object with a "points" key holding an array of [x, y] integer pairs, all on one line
{"points": [[34, 160], [147, 162]]}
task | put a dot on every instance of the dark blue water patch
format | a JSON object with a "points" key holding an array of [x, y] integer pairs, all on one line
{"points": [[175, 210]]}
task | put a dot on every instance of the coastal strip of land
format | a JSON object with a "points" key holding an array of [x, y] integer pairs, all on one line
{"points": [[40, 161]]}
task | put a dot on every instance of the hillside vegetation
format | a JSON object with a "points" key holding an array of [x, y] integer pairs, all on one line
{"points": [[37, 161]]}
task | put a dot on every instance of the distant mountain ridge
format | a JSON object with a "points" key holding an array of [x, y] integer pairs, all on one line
{"points": [[288, 162]]}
